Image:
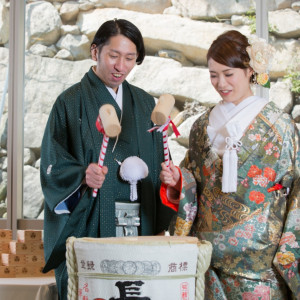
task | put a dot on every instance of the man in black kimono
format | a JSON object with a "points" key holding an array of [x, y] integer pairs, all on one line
{"points": [[71, 145]]}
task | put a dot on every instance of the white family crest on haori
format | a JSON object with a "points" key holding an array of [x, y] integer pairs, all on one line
{"points": [[132, 170]]}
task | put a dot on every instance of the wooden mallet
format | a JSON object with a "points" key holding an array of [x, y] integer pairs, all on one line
{"points": [[161, 117], [108, 124]]}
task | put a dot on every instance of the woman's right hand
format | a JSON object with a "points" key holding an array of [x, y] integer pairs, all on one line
{"points": [[169, 175]]}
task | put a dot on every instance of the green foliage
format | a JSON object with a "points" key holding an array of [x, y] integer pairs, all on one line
{"points": [[272, 28], [295, 80], [251, 15]]}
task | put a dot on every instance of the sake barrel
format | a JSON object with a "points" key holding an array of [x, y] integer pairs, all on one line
{"points": [[148, 267]]}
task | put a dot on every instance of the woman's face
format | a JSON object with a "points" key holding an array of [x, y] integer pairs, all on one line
{"points": [[115, 60], [233, 84]]}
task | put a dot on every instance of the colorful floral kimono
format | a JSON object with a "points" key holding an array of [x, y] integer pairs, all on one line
{"points": [[255, 231]]}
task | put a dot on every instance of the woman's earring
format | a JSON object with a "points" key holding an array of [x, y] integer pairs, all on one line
{"points": [[254, 78]]}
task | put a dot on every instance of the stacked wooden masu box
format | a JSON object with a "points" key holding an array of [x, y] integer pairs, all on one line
{"points": [[23, 257]]}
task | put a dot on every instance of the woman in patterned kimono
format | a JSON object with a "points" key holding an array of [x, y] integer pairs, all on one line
{"points": [[238, 186]]}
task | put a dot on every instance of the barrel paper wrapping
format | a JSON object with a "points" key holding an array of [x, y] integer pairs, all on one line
{"points": [[145, 268]]}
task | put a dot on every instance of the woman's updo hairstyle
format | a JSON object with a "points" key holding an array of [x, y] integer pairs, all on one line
{"points": [[229, 49]]}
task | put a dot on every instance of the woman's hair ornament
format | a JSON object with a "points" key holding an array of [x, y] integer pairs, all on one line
{"points": [[260, 53]]}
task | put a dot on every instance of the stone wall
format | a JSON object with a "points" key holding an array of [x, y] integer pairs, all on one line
{"points": [[177, 35]]}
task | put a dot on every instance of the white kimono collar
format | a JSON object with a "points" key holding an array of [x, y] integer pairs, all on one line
{"points": [[227, 125], [117, 96], [119, 99]]}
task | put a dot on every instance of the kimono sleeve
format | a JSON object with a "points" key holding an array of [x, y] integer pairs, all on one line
{"points": [[187, 206], [62, 168], [287, 258], [169, 196]]}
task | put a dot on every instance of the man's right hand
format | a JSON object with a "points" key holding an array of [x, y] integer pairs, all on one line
{"points": [[95, 175]]}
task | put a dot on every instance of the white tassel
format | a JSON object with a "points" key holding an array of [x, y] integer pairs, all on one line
{"points": [[132, 170], [233, 170], [230, 164], [226, 168], [133, 190]]}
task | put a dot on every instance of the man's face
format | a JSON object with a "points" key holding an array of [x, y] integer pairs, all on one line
{"points": [[115, 61]]}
